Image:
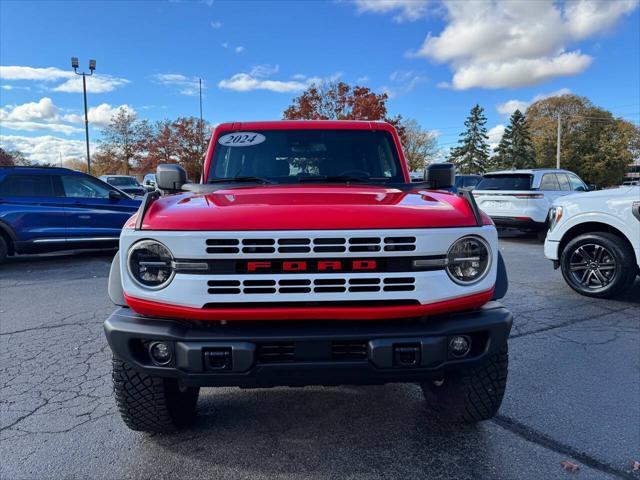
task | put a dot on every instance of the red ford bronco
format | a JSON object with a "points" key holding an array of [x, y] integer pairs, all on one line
{"points": [[305, 256]]}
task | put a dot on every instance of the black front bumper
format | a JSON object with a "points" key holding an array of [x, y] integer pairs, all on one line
{"points": [[528, 225], [290, 353]]}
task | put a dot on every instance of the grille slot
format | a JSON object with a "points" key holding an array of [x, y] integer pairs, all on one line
{"points": [[295, 290], [329, 281], [329, 289], [349, 350], [276, 352], [364, 240], [364, 248], [224, 283], [222, 245], [224, 291], [296, 282]]}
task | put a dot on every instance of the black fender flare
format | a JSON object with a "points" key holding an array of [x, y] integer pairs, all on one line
{"points": [[502, 280], [115, 282]]}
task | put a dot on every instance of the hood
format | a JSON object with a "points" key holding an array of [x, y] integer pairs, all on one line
{"points": [[297, 207], [626, 192]]}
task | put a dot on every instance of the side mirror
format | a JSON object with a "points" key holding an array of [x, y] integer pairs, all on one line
{"points": [[591, 187], [170, 177], [440, 176], [115, 195]]}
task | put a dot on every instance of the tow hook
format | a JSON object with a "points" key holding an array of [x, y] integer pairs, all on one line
{"points": [[406, 355], [217, 359]]}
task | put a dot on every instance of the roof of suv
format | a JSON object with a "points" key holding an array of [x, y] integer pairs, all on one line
{"points": [[34, 169], [528, 171]]}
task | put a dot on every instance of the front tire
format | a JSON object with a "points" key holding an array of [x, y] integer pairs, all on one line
{"points": [[471, 395], [152, 404], [4, 250], [598, 264]]}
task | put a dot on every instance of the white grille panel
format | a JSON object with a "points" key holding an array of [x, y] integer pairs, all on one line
{"points": [[254, 286], [298, 245]]}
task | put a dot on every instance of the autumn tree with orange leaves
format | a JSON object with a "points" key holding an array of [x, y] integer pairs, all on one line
{"points": [[341, 101]]}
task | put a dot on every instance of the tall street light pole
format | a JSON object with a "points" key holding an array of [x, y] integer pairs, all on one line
{"points": [[92, 67]]}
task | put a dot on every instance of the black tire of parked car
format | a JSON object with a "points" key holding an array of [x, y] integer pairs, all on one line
{"points": [[470, 395], [4, 250], [152, 404], [625, 264]]}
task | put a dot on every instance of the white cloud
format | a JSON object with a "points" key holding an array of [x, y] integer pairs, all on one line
{"points": [[44, 115], [239, 49], [95, 84], [99, 116], [495, 135], [510, 106], [225, 44], [362, 79], [266, 70], [244, 82], [257, 79], [14, 87], [519, 72], [185, 85], [34, 116], [45, 148], [44, 109], [405, 10], [402, 82], [513, 44], [48, 74], [216, 25], [586, 18]]}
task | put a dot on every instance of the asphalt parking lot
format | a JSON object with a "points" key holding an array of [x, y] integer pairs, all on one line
{"points": [[573, 390]]}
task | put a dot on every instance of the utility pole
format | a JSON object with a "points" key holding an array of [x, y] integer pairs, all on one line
{"points": [[558, 143], [92, 67]]}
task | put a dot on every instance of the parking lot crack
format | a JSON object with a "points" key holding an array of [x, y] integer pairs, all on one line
{"points": [[535, 436]]}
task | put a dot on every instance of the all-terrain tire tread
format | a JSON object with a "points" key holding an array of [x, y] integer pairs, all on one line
{"points": [[148, 403], [471, 395]]}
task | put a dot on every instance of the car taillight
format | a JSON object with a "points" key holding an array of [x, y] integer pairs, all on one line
{"points": [[529, 195]]}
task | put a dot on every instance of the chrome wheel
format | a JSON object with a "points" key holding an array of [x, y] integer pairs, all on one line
{"points": [[592, 266]]}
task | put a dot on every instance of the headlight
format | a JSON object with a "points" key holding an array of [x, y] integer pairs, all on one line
{"points": [[468, 260], [150, 264], [555, 214]]}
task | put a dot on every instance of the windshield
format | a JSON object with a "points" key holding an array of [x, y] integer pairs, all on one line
{"points": [[505, 182], [122, 181], [292, 156]]}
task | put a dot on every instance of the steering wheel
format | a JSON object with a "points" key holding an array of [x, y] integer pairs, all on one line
{"points": [[354, 172]]}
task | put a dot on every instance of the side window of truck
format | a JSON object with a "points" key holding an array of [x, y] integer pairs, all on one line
{"points": [[549, 182], [563, 180], [576, 184]]}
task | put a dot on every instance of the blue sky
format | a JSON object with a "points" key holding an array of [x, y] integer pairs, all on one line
{"points": [[435, 59]]}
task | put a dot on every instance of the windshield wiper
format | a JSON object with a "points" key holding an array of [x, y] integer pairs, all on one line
{"points": [[242, 179], [340, 178]]}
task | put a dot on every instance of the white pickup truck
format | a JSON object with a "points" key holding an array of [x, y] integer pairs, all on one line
{"points": [[594, 238]]}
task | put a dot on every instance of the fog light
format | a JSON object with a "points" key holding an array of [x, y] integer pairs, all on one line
{"points": [[459, 346], [160, 353]]}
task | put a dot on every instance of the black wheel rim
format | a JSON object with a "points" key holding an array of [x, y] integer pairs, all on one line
{"points": [[592, 266]]}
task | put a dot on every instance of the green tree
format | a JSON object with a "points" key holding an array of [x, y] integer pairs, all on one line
{"points": [[594, 144], [472, 154], [515, 149]]}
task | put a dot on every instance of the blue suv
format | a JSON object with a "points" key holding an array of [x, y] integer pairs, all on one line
{"points": [[50, 209]]}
